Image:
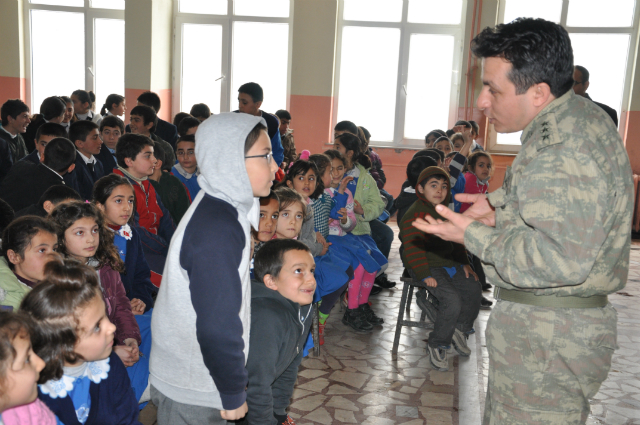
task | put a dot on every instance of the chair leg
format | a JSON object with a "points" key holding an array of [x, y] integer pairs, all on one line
{"points": [[409, 298], [315, 330], [403, 301]]}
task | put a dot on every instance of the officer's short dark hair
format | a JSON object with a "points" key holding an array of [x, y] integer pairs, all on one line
{"points": [[59, 154], [270, 258], [539, 51], [252, 89]]}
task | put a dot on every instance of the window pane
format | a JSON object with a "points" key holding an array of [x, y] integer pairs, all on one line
{"points": [[109, 54], [435, 11], [428, 86], [108, 4], [373, 10], [251, 64], [368, 88], [598, 13], [79, 3], [545, 9], [605, 57], [210, 7], [201, 69], [272, 8], [51, 77], [509, 138]]}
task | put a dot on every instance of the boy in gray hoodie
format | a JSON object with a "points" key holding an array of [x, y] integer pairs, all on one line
{"points": [[281, 298], [201, 320]]}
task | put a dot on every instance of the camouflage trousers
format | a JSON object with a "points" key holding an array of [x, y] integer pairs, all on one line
{"points": [[546, 363]]}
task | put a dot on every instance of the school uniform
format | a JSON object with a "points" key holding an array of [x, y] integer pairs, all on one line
{"points": [[88, 171], [26, 182], [89, 116], [107, 158], [12, 150]]}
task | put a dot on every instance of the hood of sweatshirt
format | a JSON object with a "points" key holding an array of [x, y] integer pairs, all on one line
{"points": [[220, 155], [424, 176]]}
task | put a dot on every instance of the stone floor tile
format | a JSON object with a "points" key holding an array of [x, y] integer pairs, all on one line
{"points": [[344, 416], [317, 385], [320, 415], [356, 380], [437, 400], [309, 403], [407, 411], [342, 403]]}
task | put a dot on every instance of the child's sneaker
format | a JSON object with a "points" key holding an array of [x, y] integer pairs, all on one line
{"points": [[357, 321], [438, 358], [459, 341], [289, 421], [321, 334], [370, 316]]}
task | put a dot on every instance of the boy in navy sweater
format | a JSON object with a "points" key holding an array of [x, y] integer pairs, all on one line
{"points": [[201, 320], [281, 300]]}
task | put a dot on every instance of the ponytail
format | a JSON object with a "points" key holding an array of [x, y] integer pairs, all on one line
{"points": [[108, 104]]}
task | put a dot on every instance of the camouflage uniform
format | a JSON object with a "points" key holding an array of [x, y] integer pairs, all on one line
{"points": [[560, 245], [289, 146]]}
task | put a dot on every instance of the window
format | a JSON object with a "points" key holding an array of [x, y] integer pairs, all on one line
{"points": [[398, 67], [246, 41], [603, 38], [92, 57]]}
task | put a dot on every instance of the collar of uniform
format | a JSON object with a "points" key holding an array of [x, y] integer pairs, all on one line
{"points": [[542, 115]]}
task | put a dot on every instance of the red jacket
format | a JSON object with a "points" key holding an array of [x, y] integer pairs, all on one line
{"points": [[472, 185], [149, 212], [118, 306]]}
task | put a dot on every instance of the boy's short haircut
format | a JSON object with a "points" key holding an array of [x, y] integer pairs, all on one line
{"points": [[59, 154], [456, 137], [200, 110], [270, 261], [416, 166], [191, 138], [12, 108], [52, 107], [179, 117], [438, 177], [161, 153], [58, 193], [129, 146], [252, 137], [475, 127], [51, 129], [449, 133], [254, 90], [150, 99], [264, 200], [464, 123], [186, 124], [283, 114], [148, 116], [79, 130], [435, 154], [288, 196], [112, 121]]}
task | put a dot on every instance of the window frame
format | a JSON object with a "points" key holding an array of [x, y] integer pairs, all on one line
{"points": [[90, 15], [407, 29], [226, 21], [632, 31]]}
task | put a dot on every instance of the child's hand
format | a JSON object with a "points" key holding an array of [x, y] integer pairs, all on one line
{"points": [[137, 306], [357, 208], [469, 271], [343, 184], [320, 238], [431, 282], [343, 215], [234, 415], [126, 355]]}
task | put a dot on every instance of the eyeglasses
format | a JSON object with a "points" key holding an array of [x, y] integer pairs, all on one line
{"points": [[266, 156]]}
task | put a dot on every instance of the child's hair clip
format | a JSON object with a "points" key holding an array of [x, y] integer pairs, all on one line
{"points": [[304, 155]]}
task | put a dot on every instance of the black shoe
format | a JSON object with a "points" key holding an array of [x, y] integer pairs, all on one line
{"points": [[486, 287], [426, 305], [370, 316], [375, 290], [357, 321], [485, 304], [384, 282]]}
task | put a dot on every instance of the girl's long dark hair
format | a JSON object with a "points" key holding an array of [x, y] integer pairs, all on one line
{"points": [[353, 143], [301, 167], [67, 213], [105, 186]]}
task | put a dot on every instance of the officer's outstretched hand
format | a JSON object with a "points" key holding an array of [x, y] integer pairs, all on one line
{"points": [[450, 230], [481, 210]]}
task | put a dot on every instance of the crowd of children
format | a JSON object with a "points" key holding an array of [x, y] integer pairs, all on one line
{"points": [[217, 236]]}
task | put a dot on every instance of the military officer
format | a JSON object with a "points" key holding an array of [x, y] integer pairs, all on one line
{"points": [[555, 239]]}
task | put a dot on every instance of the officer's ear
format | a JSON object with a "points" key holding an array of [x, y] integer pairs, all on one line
{"points": [[541, 94]]}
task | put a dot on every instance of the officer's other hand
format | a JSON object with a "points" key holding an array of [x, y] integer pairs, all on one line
{"points": [[481, 210]]}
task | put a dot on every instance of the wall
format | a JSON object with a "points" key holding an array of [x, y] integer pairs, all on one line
{"points": [[12, 68]]}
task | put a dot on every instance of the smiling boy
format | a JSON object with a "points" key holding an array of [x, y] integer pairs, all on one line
{"points": [[15, 119], [444, 267], [281, 298]]}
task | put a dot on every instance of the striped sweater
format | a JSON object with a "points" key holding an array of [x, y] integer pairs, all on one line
{"points": [[421, 251]]}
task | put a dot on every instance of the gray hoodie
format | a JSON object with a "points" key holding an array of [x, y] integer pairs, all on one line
{"points": [[201, 319]]}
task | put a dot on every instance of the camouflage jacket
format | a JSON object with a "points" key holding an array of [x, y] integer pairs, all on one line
{"points": [[289, 146], [564, 212]]}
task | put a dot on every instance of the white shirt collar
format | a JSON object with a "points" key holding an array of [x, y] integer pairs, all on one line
{"points": [[87, 160], [6, 131], [83, 117], [58, 174]]}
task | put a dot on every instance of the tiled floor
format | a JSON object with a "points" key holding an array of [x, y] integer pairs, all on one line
{"points": [[355, 380]]}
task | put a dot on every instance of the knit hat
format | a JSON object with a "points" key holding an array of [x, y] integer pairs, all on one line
{"points": [[430, 172]]}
